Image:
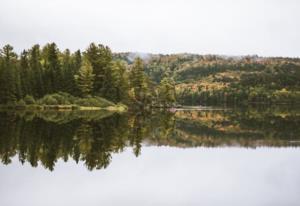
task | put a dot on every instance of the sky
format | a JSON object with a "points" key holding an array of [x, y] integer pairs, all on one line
{"points": [[225, 27]]}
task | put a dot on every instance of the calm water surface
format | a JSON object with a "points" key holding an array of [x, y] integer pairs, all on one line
{"points": [[217, 157]]}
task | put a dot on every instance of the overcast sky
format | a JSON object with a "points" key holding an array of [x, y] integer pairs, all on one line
{"points": [[232, 27]]}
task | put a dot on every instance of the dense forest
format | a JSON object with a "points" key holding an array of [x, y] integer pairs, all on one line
{"points": [[90, 78], [216, 80], [97, 77]]}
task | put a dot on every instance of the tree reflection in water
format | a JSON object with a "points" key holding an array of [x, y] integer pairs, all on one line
{"points": [[92, 137]]}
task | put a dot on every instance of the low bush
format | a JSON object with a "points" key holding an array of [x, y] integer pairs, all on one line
{"points": [[93, 102], [29, 100], [62, 98], [48, 100], [21, 103]]}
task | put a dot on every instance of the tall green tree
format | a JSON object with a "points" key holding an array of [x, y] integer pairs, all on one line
{"points": [[25, 74], [166, 92], [68, 83], [85, 78], [53, 73], [38, 86], [8, 80], [76, 60], [100, 57], [119, 82], [139, 82]]}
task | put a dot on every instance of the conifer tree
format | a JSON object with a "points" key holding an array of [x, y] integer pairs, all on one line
{"points": [[53, 74], [25, 74], [138, 81], [85, 78], [166, 91], [119, 81], [100, 58], [67, 72], [38, 86], [8, 89]]}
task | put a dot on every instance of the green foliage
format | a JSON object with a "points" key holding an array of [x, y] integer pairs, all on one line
{"points": [[166, 92], [9, 81], [215, 80], [48, 100], [85, 78], [43, 71], [53, 72], [21, 103], [140, 84], [37, 73], [29, 100], [60, 98], [93, 102], [63, 98], [198, 79], [100, 57]]}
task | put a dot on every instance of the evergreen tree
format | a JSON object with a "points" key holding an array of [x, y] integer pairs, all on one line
{"points": [[38, 87], [76, 64], [100, 58], [120, 82], [25, 74], [67, 72], [85, 78], [53, 74], [166, 91], [138, 82], [8, 86]]}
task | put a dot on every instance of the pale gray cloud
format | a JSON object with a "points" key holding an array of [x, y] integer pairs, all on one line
{"points": [[233, 27]]}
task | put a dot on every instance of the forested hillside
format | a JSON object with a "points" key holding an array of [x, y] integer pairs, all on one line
{"points": [[212, 79]]}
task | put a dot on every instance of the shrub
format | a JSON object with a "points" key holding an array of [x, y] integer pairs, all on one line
{"points": [[29, 100], [61, 99], [21, 103], [48, 100], [93, 102]]}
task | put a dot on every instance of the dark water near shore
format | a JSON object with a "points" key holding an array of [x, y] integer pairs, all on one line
{"points": [[237, 156]]}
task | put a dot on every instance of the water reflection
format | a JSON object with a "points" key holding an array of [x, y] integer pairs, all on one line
{"points": [[92, 137]]}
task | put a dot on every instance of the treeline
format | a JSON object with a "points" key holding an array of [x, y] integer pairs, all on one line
{"points": [[158, 81], [212, 79], [41, 71]]}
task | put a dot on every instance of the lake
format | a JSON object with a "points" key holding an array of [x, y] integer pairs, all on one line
{"points": [[233, 156]]}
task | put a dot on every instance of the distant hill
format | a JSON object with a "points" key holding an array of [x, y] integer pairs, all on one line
{"points": [[219, 79]]}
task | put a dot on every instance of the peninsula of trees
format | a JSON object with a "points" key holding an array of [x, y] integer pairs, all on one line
{"points": [[93, 78]]}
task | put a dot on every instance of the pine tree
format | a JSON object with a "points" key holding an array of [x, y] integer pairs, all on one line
{"points": [[67, 72], [100, 58], [76, 64], [138, 82], [8, 89], [166, 91], [38, 87], [53, 74], [119, 81], [85, 78], [25, 74]]}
